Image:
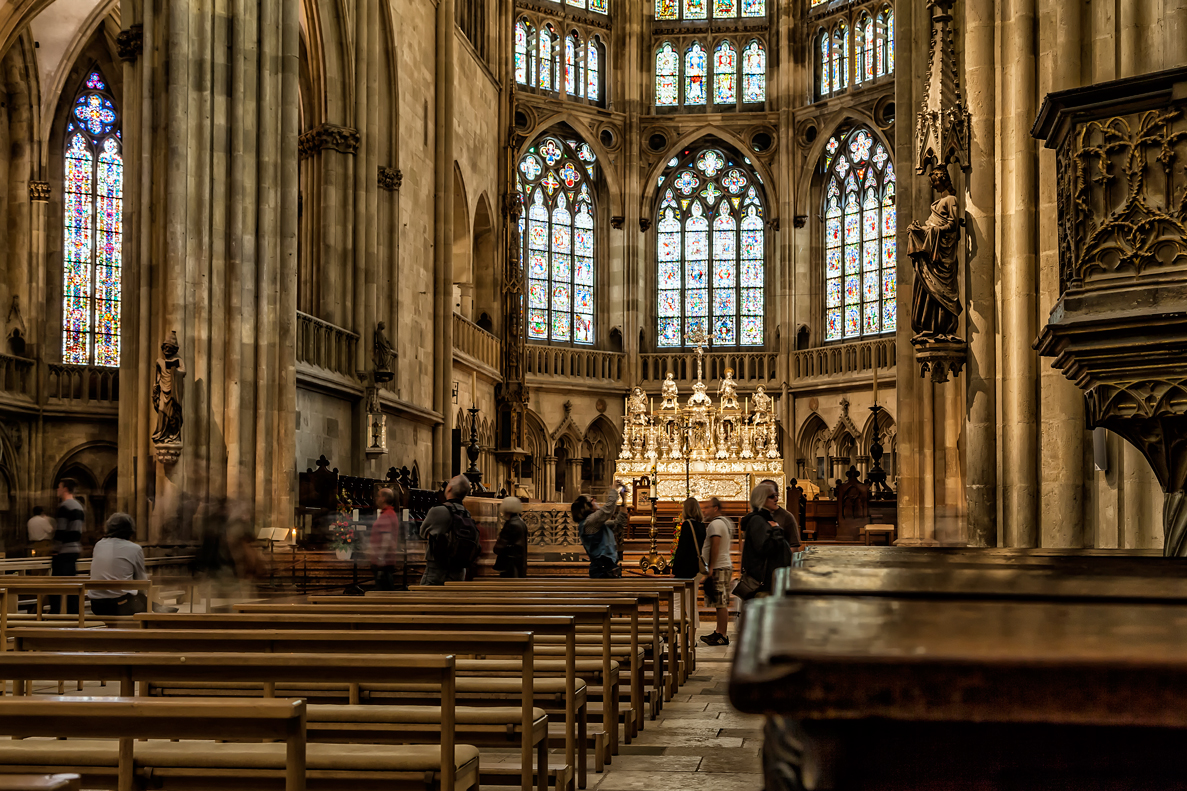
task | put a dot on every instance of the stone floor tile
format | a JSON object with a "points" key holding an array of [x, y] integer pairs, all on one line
{"points": [[694, 781], [656, 763]]}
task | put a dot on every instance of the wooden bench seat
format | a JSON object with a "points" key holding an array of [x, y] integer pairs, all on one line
{"points": [[55, 782]]}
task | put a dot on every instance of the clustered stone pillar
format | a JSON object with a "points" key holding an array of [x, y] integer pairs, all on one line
{"points": [[215, 154], [443, 239]]}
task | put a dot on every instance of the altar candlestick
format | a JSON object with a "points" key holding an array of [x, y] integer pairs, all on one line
{"points": [[652, 490], [747, 406], [474, 388], [653, 405], [875, 382]]}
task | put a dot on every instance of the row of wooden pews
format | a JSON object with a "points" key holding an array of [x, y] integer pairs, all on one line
{"points": [[519, 665], [902, 668]]}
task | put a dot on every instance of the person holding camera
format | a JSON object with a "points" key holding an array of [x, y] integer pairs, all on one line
{"points": [[596, 528]]}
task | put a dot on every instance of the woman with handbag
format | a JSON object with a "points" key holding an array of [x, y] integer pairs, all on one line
{"points": [[687, 562], [765, 547]]}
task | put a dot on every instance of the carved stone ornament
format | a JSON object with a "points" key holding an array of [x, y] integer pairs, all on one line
{"points": [[166, 400], [940, 358], [1119, 328], [39, 191], [130, 42], [390, 179], [645, 224], [943, 126], [339, 138], [617, 221]]}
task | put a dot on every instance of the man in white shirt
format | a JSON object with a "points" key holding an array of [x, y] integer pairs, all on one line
{"points": [[719, 534], [41, 527]]}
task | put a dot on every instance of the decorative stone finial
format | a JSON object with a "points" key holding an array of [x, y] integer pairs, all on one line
{"points": [[942, 131]]}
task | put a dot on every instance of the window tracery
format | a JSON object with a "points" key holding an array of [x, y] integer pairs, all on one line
{"points": [[710, 250], [556, 181], [540, 65], [93, 229], [868, 34], [683, 73], [859, 237]]}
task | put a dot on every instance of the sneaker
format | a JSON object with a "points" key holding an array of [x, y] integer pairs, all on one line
{"points": [[715, 639]]}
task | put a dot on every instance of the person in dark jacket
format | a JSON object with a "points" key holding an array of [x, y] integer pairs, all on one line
{"points": [[595, 526], [786, 520], [758, 559], [685, 562], [67, 541], [511, 548]]}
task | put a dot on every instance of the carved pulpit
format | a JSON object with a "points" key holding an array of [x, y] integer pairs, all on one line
{"points": [[1119, 328]]}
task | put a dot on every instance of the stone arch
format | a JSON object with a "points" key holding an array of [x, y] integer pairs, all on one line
{"points": [[811, 447], [693, 139], [612, 198], [484, 257], [807, 193], [600, 446], [463, 274], [93, 465]]}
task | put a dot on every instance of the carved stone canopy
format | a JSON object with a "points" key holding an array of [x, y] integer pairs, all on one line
{"points": [[1119, 328], [339, 138], [943, 122]]}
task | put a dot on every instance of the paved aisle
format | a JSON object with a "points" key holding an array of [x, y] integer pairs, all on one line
{"points": [[699, 741]]}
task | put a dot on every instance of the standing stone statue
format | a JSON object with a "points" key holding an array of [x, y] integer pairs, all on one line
{"points": [[382, 354], [166, 392], [935, 306]]}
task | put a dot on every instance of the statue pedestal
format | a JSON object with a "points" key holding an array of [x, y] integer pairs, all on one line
{"points": [[940, 358], [168, 452]]}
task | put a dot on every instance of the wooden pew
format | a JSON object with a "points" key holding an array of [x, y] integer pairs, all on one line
{"points": [[276, 643], [268, 669], [896, 694], [135, 718], [544, 625], [597, 616], [59, 782], [619, 606]]}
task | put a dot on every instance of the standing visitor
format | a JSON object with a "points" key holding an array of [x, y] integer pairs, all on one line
{"points": [[719, 535], [118, 557], [786, 520], [67, 540], [385, 539], [686, 562], [765, 547], [596, 528], [452, 537], [511, 549], [40, 529]]}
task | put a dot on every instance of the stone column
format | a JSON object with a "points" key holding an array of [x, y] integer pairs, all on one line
{"points": [[980, 319], [443, 237], [547, 487], [1019, 361], [572, 479], [1061, 467]]}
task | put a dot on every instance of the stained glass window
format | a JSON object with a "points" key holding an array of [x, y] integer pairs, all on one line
{"points": [[667, 9], [725, 9], [725, 74], [840, 52], [710, 251], [885, 43], [573, 52], [558, 232], [549, 65], [754, 73], [753, 8], [859, 237], [593, 71], [694, 75], [93, 234], [667, 76], [598, 6], [872, 47], [863, 67], [523, 52], [694, 10]]}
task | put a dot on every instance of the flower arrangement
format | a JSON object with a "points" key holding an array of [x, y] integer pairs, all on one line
{"points": [[342, 534]]}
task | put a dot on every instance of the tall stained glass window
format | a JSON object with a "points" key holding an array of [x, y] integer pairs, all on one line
{"points": [[548, 59], [859, 237], [524, 63], [93, 219], [710, 250], [667, 76], [694, 74], [725, 9], [866, 32], [593, 70], [884, 47], [754, 73], [863, 33], [555, 178], [725, 71], [597, 6], [695, 10]]}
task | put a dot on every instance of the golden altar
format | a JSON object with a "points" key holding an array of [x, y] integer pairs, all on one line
{"points": [[700, 449]]}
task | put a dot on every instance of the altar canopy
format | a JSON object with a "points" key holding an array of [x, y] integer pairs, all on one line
{"points": [[701, 448]]}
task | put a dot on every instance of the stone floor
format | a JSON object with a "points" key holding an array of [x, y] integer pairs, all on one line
{"points": [[698, 742]]}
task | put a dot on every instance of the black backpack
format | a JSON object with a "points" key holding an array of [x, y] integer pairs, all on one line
{"points": [[458, 546], [776, 550]]}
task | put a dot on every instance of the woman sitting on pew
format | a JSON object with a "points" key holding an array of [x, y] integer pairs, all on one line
{"points": [[117, 557]]}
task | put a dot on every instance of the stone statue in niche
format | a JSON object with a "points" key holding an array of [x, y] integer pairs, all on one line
{"points": [[382, 354], [166, 393], [932, 245]]}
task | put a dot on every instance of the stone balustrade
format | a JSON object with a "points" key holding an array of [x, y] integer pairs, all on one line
{"points": [[17, 375], [847, 358], [82, 385], [477, 343], [572, 363], [326, 346], [750, 368]]}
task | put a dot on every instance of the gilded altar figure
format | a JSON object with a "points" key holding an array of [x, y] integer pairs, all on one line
{"points": [[727, 391], [670, 392], [638, 406], [723, 448], [699, 404], [763, 406], [932, 245]]}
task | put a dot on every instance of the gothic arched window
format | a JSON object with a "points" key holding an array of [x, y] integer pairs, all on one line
{"points": [[725, 74], [710, 250], [683, 79], [548, 58], [863, 66], [859, 237], [871, 42], [555, 179], [524, 52], [541, 66], [667, 76], [696, 10], [93, 220], [884, 46], [694, 75], [754, 73], [597, 6]]}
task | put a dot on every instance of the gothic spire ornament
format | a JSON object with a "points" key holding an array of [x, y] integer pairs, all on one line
{"points": [[942, 131]]}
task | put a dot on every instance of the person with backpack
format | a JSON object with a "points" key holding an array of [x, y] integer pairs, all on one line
{"points": [[453, 538], [765, 547], [596, 528]]}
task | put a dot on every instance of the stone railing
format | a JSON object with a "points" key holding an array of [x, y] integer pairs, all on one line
{"points": [[754, 368], [848, 358], [472, 340], [17, 375], [325, 345], [566, 363], [75, 385]]}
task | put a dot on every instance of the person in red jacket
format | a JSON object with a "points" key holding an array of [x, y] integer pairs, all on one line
{"points": [[385, 539]]}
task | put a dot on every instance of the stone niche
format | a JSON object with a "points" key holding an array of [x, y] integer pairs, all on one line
{"points": [[1119, 328]]}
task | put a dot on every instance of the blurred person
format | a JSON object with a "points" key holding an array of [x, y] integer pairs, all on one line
{"points": [[67, 541], [118, 557], [40, 530], [385, 540], [786, 520], [765, 546], [452, 536], [596, 528], [719, 535], [511, 548]]}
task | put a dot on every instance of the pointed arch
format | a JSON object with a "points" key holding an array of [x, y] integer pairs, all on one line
{"points": [[485, 253], [713, 134], [576, 128], [725, 73]]}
